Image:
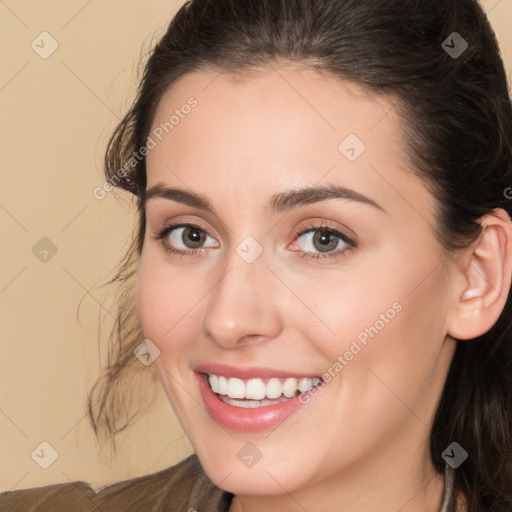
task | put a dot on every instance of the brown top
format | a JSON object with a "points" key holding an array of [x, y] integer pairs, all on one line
{"points": [[180, 488]]}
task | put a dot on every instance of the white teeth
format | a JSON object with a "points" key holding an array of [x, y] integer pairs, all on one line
{"points": [[256, 389], [246, 404], [305, 384], [222, 385], [214, 383], [251, 404], [274, 388], [236, 388], [289, 387]]}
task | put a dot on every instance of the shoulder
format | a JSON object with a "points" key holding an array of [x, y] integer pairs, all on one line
{"points": [[182, 487]]}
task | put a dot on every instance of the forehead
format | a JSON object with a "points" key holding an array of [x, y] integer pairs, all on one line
{"points": [[282, 107], [281, 127]]}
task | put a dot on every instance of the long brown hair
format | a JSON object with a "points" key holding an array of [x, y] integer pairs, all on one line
{"points": [[457, 124]]}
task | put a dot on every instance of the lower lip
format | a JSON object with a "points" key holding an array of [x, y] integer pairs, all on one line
{"points": [[244, 419]]}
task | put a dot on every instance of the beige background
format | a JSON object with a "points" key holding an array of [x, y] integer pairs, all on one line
{"points": [[56, 114]]}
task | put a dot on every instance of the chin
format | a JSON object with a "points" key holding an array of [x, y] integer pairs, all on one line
{"points": [[264, 478]]}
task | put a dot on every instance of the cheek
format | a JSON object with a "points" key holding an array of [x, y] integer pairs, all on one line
{"points": [[397, 339], [360, 304], [383, 315], [166, 298]]}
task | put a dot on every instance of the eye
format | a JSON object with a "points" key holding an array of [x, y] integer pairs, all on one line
{"points": [[184, 238], [189, 239], [328, 241]]}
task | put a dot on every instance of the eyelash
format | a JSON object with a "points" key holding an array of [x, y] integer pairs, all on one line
{"points": [[323, 227], [326, 228]]}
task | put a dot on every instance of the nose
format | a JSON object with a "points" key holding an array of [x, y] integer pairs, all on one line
{"points": [[244, 306]]}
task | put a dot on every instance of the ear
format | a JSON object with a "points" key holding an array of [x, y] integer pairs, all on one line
{"points": [[486, 275]]}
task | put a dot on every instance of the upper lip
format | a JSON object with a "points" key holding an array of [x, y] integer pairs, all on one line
{"points": [[249, 372]]}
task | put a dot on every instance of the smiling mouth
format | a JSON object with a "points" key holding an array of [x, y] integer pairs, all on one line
{"points": [[256, 392]]}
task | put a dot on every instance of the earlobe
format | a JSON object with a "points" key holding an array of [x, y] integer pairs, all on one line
{"points": [[487, 276]]}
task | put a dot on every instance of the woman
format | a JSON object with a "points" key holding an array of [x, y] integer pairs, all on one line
{"points": [[323, 262]]}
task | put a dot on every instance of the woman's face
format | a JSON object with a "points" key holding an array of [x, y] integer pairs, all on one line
{"points": [[264, 295]]}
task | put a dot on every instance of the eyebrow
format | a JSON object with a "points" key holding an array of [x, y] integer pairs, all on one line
{"points": [[280, 202]]}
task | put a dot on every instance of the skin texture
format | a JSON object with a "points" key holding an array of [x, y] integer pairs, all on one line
{"points": [[362, 443]]}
